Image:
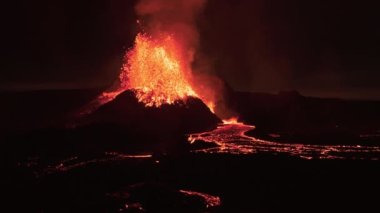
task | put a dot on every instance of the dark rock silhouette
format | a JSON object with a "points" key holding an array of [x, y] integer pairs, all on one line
{"points": [[188, 116], [123, 125], [161, 129]]}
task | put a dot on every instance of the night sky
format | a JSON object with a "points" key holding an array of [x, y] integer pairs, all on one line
{"points": [[320, 48]]}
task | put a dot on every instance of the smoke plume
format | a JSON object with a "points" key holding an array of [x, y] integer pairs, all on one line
{"points": [[174, 17]]}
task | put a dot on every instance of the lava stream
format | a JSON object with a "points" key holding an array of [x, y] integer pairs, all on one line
{"points": [[210, 200], [231, 139]]}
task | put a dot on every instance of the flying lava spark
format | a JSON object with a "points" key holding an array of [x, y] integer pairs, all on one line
{"points": [[158, 68], [155, 70]]}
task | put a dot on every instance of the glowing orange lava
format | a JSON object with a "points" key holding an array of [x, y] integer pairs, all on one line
{"points": [[231, 139], [154, 69], [233, 120], [157, 70]]}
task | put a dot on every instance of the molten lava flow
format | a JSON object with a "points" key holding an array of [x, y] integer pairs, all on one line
{"points": [[231, 138], [211, 201], [155, 70]]}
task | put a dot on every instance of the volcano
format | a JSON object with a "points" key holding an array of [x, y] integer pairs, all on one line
{"points": [[126, 118], [187, 116]]}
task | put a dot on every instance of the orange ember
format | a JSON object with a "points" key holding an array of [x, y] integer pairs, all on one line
{"points": [[155, 70]]}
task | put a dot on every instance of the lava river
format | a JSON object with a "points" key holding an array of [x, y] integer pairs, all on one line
{"points": [[231, 139]]}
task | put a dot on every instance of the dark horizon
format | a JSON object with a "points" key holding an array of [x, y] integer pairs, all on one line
{"points": [[317, 48]]}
